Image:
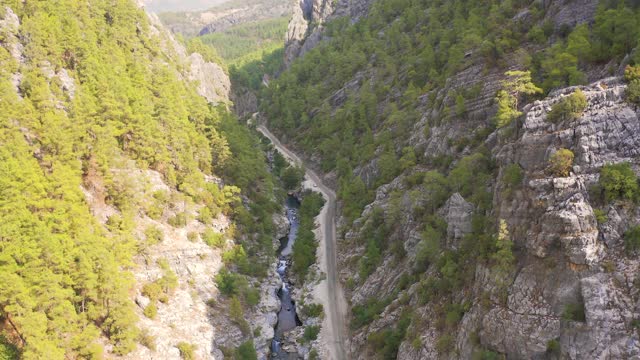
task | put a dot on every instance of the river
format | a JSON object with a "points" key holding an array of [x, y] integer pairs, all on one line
{"points": [[287, 316]]}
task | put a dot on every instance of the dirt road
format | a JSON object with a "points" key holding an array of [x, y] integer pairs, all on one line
{"points": [[329, 291]]}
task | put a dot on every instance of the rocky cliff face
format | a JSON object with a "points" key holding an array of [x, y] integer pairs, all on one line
{"points": [[564, 256], [212, 81], [195, 313], [305, 29], [573, 290], [553, 221]]}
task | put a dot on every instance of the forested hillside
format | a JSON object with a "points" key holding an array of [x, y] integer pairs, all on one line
{"points": [[470, 143], [242, 43], [385, 62], [101, 135]]}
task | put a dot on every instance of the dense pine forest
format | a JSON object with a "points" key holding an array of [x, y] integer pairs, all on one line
{"points": [[89, 92]]}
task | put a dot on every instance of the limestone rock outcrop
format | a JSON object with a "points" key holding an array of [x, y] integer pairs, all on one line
{"points": [[457, 212], [573, 284], [211, 81], [305, 29]]}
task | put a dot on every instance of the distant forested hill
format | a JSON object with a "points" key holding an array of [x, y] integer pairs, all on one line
{"points": [[223, 16], [180, 5]]}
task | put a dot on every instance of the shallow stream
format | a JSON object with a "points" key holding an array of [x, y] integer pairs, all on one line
{"points": [[287, 316]]}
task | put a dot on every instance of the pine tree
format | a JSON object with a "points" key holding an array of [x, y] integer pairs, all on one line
{"points": [[503, 258], [517, 84], [507, 110]]}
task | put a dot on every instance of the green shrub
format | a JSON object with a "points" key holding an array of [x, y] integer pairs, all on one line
{"points": [[387, 342], [487, 355], [227, 352], [444, 344], [147, 340], [468, 176], [536, 35], [246, 351], [192, 236], [213, 238], [155, 210], [169, 280], [618, 181], [569, 108], [428, 289], [313, 355], [632, 239], [428, 248], [426, 132], [574, 312], [7, 350], [187, 351], [408, 159], [163, 287], [154, 235], [512, 176], [156, 206], [560, 162], [311, 333], [228, 283], [454, 314], [369, 262], [205, 216], [460, 105], [632, 77], [236, 312], [414, 179], [312, 310], [252, 297], [633, 91], [292, 177], [416, 343], [152, 290], [631, 73], [160, 196], [151, 311], [601, 216], [452, 317], [553, 346], [364, 314], [236, 255], [178, 220], [512, 179]]}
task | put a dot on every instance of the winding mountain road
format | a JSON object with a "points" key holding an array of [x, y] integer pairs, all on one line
{"points": [[330, 292]]}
